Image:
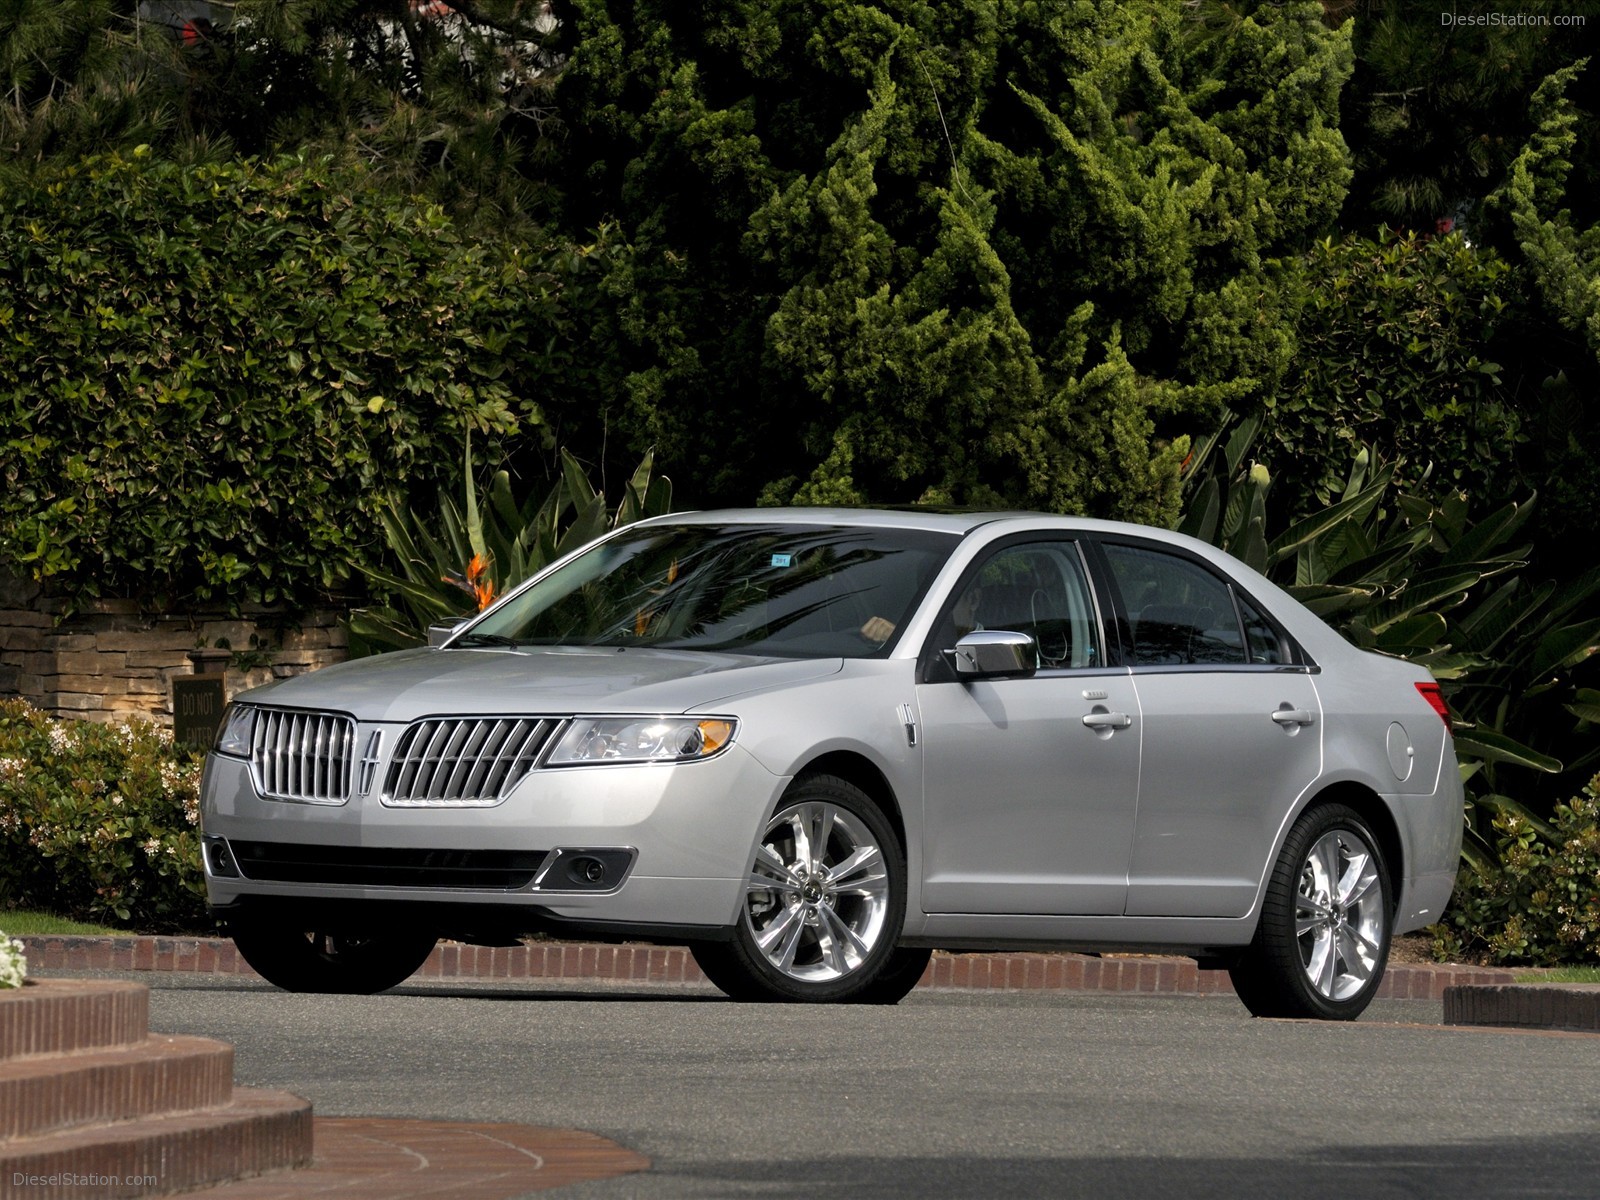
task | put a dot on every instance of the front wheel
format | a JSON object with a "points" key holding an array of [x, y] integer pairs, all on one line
{"points": [[317, 960], [1323, 941], [823, 906]]}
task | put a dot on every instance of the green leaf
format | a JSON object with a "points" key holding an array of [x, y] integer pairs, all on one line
{"points": [[1565, 647], [1491, 746], [1494, 530], [1495, 802], [1586, 705], [1303, 532]]}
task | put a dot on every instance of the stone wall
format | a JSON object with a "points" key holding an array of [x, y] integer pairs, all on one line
{"points": [[114, 660]]}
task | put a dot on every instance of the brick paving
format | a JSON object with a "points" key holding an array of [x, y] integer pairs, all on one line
{"points": [[370, 1158], [642, 964]]}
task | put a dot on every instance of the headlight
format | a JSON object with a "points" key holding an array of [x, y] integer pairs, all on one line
{"points": [[641, 739], [238, 727]]}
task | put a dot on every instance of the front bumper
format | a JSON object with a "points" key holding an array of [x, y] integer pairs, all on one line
{"points": [[689, 830]]}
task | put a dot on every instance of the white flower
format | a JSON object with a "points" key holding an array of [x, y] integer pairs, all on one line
{"points": [[13, 963], [152, 846]]}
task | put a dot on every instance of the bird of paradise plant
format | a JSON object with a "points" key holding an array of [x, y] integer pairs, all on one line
{"points": [[501, 542], [475, 581]]}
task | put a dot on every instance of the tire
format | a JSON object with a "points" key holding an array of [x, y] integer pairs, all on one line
{"points": [[1326, 922], [823, 906], [342, 963]]}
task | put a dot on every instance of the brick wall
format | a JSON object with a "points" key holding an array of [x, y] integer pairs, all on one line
{"points": [[114, 660]]}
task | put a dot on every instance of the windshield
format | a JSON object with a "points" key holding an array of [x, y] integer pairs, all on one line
{"points": [[785, 590]]}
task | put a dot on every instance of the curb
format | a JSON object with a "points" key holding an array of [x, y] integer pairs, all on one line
{"points": [[630, 963], [1570, 1006]]}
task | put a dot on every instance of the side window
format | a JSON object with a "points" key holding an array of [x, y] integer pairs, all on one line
{"points": [[1179, 613], [1262, 638], [1037, 588]]}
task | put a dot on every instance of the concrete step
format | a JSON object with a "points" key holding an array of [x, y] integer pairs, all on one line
{"points": [[60, 1016], [43, 1094], [256, 1132]]}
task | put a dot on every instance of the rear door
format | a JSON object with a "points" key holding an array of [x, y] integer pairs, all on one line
{"points": [[1232, 731]]}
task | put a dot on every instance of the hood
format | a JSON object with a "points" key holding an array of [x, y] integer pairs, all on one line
{"points": [[538, 679]]}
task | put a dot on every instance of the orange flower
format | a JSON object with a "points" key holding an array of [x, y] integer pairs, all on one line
{"points": [[477, 583], [478, 579]]}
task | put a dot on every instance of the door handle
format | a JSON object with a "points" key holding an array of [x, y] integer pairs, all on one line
{"points": [[1107, 720], [1294, 716]]}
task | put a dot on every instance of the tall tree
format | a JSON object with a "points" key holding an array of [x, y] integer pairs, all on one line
{"points": [[945, 251]]}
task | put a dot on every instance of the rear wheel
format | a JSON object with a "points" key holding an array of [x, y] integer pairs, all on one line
{"points": [[314, 960], [1323, 941], [823, 905]]}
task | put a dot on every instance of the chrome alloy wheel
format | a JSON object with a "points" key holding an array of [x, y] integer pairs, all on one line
{"points": [[818, 895], [1339, 918]]}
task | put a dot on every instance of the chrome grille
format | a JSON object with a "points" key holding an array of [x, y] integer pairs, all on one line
{"points": [[305, 756], [463, 762]]}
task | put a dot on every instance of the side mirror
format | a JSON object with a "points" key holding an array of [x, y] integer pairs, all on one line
{"points": [[995, 654], [441, 632]]}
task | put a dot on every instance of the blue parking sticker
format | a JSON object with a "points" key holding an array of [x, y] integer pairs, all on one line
{"points": [[783, 560]]}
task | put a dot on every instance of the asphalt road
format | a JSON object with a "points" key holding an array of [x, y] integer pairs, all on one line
{"points": [[954, 1094]]}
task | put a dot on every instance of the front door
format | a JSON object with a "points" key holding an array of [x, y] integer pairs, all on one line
{"points": [[1031, 784]]}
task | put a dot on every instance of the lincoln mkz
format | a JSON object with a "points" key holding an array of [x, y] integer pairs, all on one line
{"points": [[813, 745]]}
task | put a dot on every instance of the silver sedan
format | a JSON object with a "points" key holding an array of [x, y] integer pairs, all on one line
{"points": [[815, 744]]}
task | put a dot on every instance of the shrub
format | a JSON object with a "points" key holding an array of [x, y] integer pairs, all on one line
{"points": [[99, 822], [1540, 902], [212, 377], [13, 963]]}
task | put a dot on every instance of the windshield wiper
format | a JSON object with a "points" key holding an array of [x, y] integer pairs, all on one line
{"points": [[485, 639]]}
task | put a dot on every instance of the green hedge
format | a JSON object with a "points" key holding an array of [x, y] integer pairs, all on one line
{"points": [[1540, 901], [99, 822], [212, 376]]}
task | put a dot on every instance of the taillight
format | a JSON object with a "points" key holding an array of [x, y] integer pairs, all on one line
{"points": [[1435, 698]]}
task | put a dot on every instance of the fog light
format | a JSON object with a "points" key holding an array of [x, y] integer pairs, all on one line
{"points": [[219, 859], [584, 869]]}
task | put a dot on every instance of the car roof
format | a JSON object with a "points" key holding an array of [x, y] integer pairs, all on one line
{"points": [[942, 520]]}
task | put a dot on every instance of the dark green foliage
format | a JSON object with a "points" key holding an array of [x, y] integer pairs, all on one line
{"points": [[473, 553], [80, 77], [1539, 901], [213, 377], [1563, 256], [1436, 113], [944, 252], [448, 102], [99, 822], [1395, 344]]}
